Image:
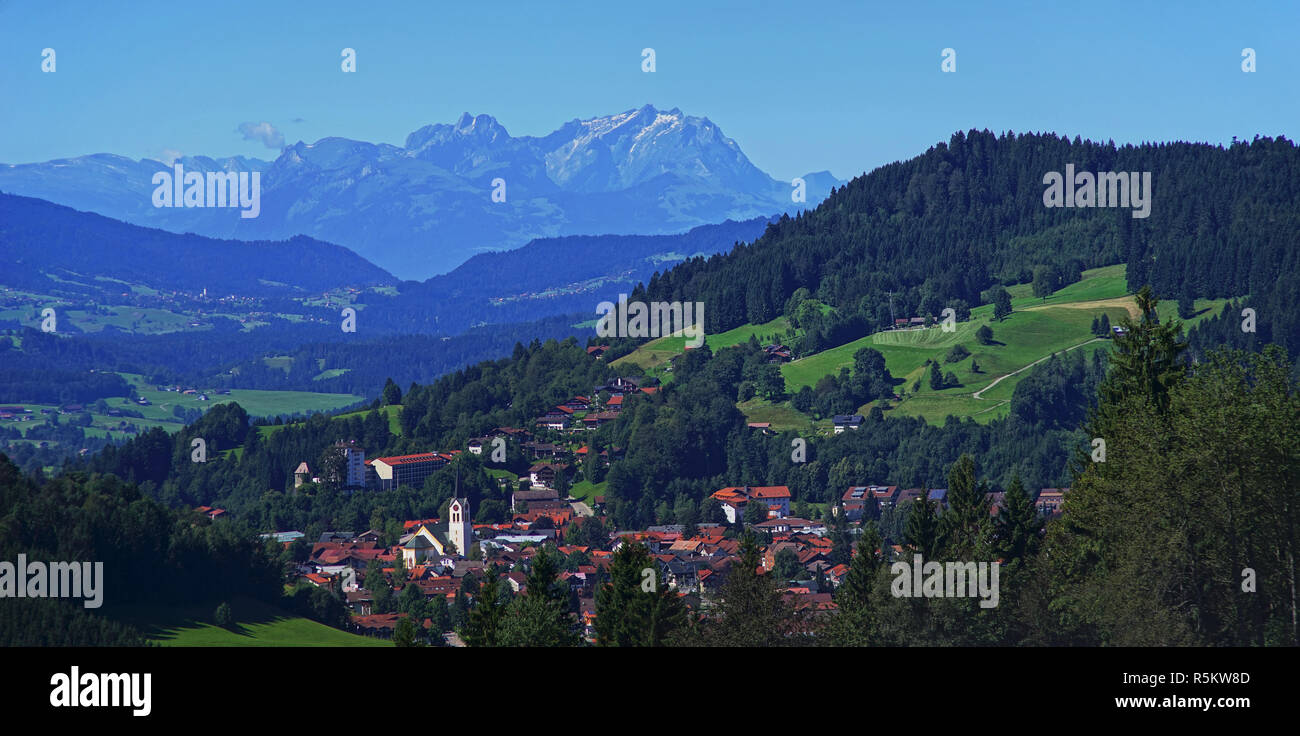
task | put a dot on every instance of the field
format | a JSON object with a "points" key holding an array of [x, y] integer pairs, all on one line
{"points": [[1020, 339], [781, 416], [159, 412], [257, 403], [656, 353], [256, 625], [1109, 282], [331, 373], [139, 320], [190, 313], [391, 412], [1036, 329], [587, 491]]}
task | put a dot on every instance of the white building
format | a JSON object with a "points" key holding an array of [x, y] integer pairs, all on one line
{"points": [[355, 459], [460, 531]]}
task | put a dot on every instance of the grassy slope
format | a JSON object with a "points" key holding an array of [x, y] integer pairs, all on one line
{"points": [[781, 416], [587, 491], [161, 403], [140, 320], [256, 402], [1036, 329], [656, 353], [394, 424], [257, 625]]}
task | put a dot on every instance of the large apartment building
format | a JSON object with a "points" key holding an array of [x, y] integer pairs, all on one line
{"points": [[387, 473], [355, 459]]}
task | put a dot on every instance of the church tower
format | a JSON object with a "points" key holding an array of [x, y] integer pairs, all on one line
{"points": [[459, 530]]}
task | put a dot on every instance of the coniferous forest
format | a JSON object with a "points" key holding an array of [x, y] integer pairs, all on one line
{"points": [[968, 215]]}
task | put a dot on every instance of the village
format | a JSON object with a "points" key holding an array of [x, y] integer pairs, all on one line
{"points": [[448, 558]]}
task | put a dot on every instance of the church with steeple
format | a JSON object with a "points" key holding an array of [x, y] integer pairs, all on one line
{"points": [[434, 541]]}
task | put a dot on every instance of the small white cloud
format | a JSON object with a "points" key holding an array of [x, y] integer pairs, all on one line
{"points": [[264, 132], [169, 156]]}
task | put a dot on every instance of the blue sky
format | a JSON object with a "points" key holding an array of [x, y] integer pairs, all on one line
{"points": [[801, 86]]}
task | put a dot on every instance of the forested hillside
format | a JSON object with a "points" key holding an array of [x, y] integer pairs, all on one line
{"points": [[968, 214], [151, 555], [42, 243], [554, 276]]}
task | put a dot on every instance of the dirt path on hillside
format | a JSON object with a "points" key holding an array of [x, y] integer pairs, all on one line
{"points": [[1125, 302], [998, 380]]}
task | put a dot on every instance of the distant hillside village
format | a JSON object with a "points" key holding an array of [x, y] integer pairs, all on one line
{"points": [[447, 559]]}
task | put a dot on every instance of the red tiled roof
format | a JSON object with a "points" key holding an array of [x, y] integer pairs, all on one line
{"points": [[422, 457]]}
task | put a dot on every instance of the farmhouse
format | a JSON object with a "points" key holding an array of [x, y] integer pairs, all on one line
{"points": [[592, 421], [543, 475], [556, 420], [846, 421], [577, 403], [777, 353], [511, 433], [520, 499]]}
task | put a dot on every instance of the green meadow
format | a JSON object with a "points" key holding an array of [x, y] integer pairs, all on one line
{"points": [[256, 625], [391, 412], [656, 353], [256, 402], [587, 491]]}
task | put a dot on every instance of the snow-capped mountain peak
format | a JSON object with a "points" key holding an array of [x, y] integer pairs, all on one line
{"points": [[424, 207]]}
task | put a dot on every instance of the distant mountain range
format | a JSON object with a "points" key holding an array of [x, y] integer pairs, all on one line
{"points": [[46, 247], [425, 207], [50, 249], [552, 276]]}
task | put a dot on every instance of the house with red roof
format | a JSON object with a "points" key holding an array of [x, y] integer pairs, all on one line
{"points": [[211, 513], [577, 403], [734, 500]]}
